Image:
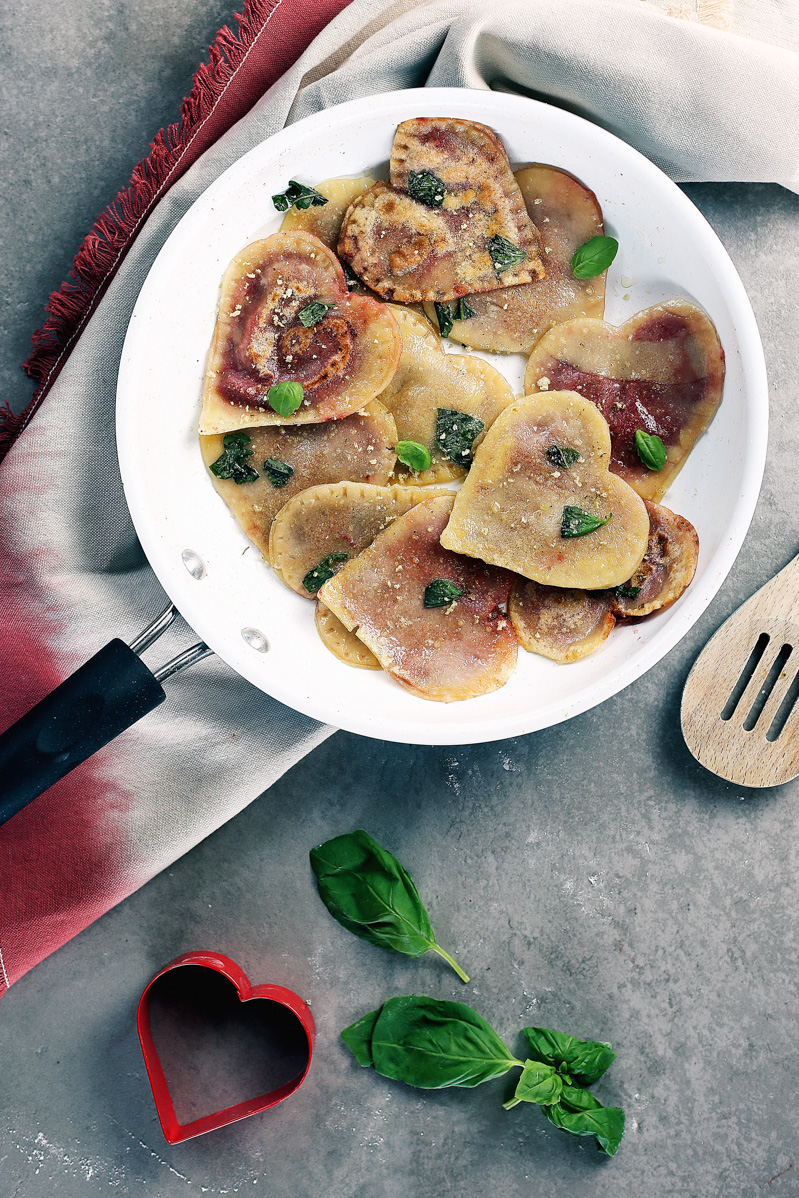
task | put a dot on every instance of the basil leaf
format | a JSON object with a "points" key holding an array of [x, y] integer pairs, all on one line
{"points": [[504, 254], [311, 314], [350, 276], [584, 1060], [440, 593], [233, 462], [594, 256], [358, 1038], [371, 894], [426, 188], [297, 195], [456, 433], [563, 456], [433, 1044], [464, 310], [412, 454], [538, 1083], [320, 574], [444, 318], [650, 449], [625, 592], [577, 523], [605, 1123], [277, 472], [285, 398]]}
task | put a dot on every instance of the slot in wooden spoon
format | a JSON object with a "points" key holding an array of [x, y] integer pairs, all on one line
{"points": [[740, 715]]}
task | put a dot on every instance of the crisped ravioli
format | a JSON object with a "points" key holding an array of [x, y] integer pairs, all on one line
{"points": [[358, 447], [465, 649], [408, 250], [338, 519], [342, 643], [669, 564], [325, 221], [427, 378], [514, 507], [661, 372], [563, 625], [342, 359], [512, 319]]}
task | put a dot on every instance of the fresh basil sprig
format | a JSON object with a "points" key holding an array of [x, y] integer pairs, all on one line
{"points": [[504, 254], [456, 433], [277, 472], [322, 572], [577, 523], [297, 195], [284, 398], [650, 450], [563, 456], [371, 894], [440, 593], [426, 188], [311, 314], [444, 318], [233, 462], [412, 454], [430, 1043], [594, 256], [583, 1060], [447, 316]]}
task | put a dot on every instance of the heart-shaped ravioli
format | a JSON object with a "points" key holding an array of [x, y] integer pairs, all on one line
{"points": [[660, 374], [452, 220], [428, 382], [258, 470], [563, 625], [342, 643], [512, 319], [321, 528], [433, 619], [540, 500], [285, 316], [325, 221]]}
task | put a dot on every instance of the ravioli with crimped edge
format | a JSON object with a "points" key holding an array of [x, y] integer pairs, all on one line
{"points": [[540, 499], [459, 649], [451, 221], [511, 320], [662, 372], [277, 463], [342, 352], [333, 522], [342, 643], [567, 625], [429, 381]]}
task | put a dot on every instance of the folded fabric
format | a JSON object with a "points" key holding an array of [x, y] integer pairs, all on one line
{"points": [[702, 101]]}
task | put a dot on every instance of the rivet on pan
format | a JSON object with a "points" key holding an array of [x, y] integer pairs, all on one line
{"points": [[193, 563], [255, 639]]}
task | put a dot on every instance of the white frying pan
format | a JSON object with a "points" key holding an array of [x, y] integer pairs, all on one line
{"points": [[231, 597]]}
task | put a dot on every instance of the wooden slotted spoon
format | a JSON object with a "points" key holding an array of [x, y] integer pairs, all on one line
{"points": [[740, 716]]}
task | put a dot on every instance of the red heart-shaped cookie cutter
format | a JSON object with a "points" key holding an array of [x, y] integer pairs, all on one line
{"points": [[174, 1131]]}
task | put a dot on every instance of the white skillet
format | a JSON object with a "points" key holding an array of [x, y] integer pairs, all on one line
{"points": [[238, 607]]}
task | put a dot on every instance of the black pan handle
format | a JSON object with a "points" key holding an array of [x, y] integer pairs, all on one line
{"points": [[102, 698]]}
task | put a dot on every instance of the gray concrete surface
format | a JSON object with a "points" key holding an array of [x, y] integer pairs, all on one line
{"points": [[591, 877]]}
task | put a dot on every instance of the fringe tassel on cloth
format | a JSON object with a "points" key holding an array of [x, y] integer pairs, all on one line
{"points": [[111, 235]]}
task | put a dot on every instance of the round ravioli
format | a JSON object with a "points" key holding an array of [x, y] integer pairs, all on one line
{"points": [[285, 316], [563, 625], [443, 401], [661, 373], [540, 500], [260, 469], [433, 619], [512, 319], [669, 565]]}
